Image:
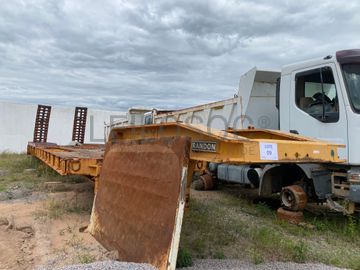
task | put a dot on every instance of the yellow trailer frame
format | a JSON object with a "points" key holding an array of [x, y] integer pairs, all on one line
{"points": [[233, 146], [208, 145], [84, 159], [237, 146]]}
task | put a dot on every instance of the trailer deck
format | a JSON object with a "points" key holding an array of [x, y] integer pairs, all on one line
{"points": [[85, 159]]}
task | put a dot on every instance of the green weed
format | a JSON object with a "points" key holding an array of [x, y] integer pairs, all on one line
{"points": [[184, 258], [300, 251]]}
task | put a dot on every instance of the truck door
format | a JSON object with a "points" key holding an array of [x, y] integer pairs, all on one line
{"points": [[317, 106]]}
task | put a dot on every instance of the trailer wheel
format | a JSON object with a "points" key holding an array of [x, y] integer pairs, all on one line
{"points": [[294, 198], [204, 182], [198, 184], [208, 181]]}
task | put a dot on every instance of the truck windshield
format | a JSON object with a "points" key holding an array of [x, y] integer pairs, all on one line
{"points": [[352, 80]]}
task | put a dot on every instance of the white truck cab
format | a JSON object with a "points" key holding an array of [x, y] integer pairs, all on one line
{"points": [[324, 100]]}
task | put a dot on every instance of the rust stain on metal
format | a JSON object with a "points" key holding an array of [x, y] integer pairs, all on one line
{"points": [[140, 200]]}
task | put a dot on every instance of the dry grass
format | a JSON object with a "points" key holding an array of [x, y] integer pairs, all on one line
{"points": [[222, 224], [229, 226], [57, 208], [15, 173]]}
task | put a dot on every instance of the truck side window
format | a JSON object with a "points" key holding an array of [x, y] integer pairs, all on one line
{"points": [[316, 94]]}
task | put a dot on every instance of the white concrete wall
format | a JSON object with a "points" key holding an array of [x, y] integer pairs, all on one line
{"points": [[17, 125]]}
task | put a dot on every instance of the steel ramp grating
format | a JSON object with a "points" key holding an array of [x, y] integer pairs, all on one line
{"points": [[42, 123], [79, 124]]}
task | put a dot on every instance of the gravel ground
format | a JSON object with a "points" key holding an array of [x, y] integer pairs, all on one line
{"points": [[236, 264], [106, 265], [200, 265]]}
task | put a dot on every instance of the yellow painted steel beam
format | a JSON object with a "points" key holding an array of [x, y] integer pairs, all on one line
{"points": [[269, 134], [253, 146], [69, 160]]}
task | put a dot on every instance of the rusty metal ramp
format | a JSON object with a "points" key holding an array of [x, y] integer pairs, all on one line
{"points": [[140, 201], [42, 123]]}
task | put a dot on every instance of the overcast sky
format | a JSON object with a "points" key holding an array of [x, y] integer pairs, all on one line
{"points": [[115, 54]]}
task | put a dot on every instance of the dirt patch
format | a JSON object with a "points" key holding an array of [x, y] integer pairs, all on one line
{"points": [[16, 248], [14, 192], [43, 230]]}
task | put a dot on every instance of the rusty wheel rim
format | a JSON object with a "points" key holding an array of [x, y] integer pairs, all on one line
{"points": [[294, 198], [288, 198]]}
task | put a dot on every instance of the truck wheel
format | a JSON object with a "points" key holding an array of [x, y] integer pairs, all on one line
{"points": [[290, 216], [293, 198], [205, 182], [197, 185], [208, 181]]}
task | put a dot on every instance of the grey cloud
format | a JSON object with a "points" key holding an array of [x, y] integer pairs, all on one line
{"points": [[168, 54]]}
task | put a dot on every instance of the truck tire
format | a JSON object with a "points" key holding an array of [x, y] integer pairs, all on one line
{"points": [[197, 184], [208, 181], [205, 182], [294, 198]]}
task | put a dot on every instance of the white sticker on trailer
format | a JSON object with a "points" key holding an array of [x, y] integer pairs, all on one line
{"points": [[268, 151]]}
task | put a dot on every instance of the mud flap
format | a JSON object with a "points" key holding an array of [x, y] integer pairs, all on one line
{"points": [[139, 205]]}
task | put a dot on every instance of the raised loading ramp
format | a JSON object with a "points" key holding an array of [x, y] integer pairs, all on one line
{"points": [[79, 125], [140, 200], [42, 123]]}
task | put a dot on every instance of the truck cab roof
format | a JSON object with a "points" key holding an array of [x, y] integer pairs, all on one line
{"points": [[344, 56], [287, 69]]}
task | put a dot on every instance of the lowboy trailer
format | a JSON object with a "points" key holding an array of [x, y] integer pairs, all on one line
{"points": [[143, 178]]}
